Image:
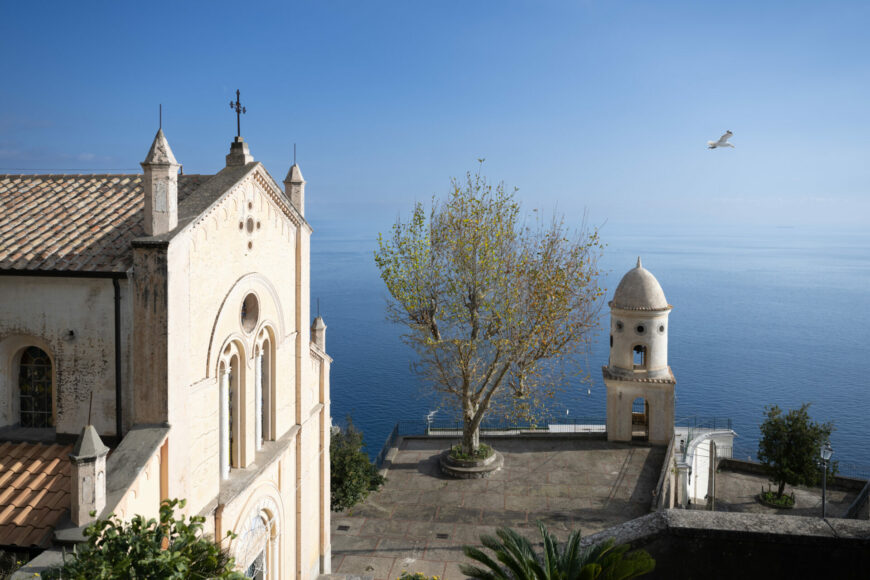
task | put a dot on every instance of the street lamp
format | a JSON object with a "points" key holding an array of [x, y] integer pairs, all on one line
{"points": [[826, 453]]}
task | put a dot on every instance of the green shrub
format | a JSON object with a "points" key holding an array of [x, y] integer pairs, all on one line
{"points": [[353, 475], [171, 549], [482, 452]]}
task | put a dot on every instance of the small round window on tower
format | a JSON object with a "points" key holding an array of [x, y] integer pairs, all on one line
{"points": [[619, 325], [250, 225], [250, 312], [661, 328], [640, 328]]}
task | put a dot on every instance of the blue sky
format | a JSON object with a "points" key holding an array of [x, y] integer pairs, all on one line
{"points": [[598, 106]]}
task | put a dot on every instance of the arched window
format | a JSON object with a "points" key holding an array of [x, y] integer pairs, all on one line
{"points": [[263, 390], [639, 356], [260, 540], [34, 389], [231, 401]]}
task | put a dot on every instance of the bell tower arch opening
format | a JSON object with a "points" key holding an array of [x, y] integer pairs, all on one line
{"points": [[640, 420]]}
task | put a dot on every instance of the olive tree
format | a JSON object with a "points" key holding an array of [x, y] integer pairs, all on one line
{"points": [[495, 305], [790, 445]]}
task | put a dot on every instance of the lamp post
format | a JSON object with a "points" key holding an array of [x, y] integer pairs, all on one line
{"points": [[826, 453]]}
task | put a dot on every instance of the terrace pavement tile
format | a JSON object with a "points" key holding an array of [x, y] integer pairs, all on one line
{"points": [[358, 545], [421, 513], [504, 517], [426, 567], [451, 498], [524, 502], [452, 571], [430, 529], [483, 500], [455, 514], [372, 509], [412, 548], [445, 552], [384, 528], [377, 567], [596, 482], [353, 525], [401, 496]]}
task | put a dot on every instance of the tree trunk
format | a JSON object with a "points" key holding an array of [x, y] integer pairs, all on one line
{"points": [[470, 437], [470, 429], [780, 490]]}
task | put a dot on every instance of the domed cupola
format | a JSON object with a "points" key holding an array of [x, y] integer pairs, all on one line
{"points": [[639, 290], [637, 373]]}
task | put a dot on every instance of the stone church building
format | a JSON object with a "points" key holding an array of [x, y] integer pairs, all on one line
{"points": [[156, 342]]}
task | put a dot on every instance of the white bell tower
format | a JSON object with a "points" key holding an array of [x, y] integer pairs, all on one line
{"points": [[640, 384]]}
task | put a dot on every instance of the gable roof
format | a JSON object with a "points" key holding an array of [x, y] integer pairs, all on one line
{"points": [[34, 492], [74, 223], [85, 224]]}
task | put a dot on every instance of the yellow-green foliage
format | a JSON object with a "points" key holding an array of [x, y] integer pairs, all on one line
{"points": [[494, 304]]}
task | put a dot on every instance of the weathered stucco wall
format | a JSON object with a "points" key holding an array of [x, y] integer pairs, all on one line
{"points": [[40, 311]]}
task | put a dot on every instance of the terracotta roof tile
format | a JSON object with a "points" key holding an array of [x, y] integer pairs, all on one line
{"points": [[80, 223], [35, 492]]}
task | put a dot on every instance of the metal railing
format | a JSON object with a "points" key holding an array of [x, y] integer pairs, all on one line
{"points": [[695, 424], [388, 444], [453, 428]]}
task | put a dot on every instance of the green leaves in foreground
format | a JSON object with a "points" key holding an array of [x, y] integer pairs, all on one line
{"points": [[514, 558], [140, 548]]}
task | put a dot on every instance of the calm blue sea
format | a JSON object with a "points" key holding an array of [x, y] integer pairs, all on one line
{"points": [[761, 316]]}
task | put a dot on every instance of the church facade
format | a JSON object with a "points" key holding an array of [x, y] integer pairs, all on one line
{"points": [[170, 313]]}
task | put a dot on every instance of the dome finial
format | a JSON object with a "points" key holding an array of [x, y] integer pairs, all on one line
{"points": [[639, 265]]}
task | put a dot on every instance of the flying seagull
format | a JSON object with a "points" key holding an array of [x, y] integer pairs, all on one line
{"points": [[722, 142]]}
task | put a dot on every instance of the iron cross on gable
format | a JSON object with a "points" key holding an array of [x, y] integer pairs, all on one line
{"points": [[239, 109]]}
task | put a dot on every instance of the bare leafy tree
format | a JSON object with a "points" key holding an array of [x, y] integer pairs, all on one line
{"points": [[495, 307]]}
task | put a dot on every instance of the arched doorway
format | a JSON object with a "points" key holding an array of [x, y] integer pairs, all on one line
{"points": [[640, 420]]}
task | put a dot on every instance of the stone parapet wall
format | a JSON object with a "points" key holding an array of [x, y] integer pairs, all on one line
{"points": [[692, 544], [755, 468]]}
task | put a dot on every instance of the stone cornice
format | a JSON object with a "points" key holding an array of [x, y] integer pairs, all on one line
{"points": [[608, 374]]}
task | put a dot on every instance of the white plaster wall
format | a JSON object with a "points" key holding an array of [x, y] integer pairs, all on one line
{"points": [[39, 311], [624, 341], [309, 496], [204, 460], [143, 496], [700, 473], [222, 264]]}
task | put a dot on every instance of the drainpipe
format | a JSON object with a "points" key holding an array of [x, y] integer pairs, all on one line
{"points": [[118, 407]]}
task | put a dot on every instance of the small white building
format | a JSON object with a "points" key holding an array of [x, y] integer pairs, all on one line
{"points": [[640, 384], [171, 312]]}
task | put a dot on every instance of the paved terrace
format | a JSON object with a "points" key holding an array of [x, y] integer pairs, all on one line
{"points": [[420, 520]]}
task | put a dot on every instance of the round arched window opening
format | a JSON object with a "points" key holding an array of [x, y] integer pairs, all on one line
{"points": [[250, 312], [250, 225], [640, 328]]}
